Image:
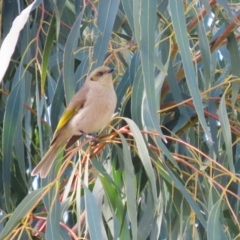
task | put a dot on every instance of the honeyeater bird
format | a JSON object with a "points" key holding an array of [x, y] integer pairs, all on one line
{"points": [[90, 109]]}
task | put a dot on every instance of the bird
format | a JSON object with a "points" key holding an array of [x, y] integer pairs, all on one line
{"points": [[90, 109]]}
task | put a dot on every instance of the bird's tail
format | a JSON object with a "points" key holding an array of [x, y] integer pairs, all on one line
{"points": [[45, 164]]}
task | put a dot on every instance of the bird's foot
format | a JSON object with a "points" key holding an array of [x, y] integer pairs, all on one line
{"points": [[93, 138]]}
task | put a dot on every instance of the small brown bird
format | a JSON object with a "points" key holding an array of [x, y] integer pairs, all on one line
{"points": [[90, 109]]}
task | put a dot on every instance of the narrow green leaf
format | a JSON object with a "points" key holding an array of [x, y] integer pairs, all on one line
{"points": [[122, 87], [212, 108], [179, 25], [147, 218], [93, 216], [226, 130], [79, 198], [175, 90], [107, 10], [235, 60], [111, 194], [58, 7], [98, 166], [144, 155], [137, 98], [187, 196], [10, 122], [128, 9], [160, 65], [7, 49], [158, 220], [147, 20], [39, 106], [206, 56], [117, 207], [57, 103], [19, 149], [130, 185], [68, 58], [24, 208], [64, 234], [47, 51], [127, 79], [81, 72], [144, 23], [214, 227], [54, 211], [227, 9]]}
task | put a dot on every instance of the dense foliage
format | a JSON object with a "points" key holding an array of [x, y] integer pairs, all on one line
{"points": [[167, 166]]}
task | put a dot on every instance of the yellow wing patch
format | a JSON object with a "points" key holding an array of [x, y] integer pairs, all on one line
{"points": [[66, 117]]}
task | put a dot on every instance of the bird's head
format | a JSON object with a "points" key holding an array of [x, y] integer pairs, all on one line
{"points": [[102, 74]]}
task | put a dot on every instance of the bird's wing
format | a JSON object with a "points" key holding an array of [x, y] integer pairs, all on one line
{"points": [[71, 141], [73, 108], [65, 118]]}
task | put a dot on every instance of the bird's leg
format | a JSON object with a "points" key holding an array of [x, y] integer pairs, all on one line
{"points": [[93, 138]]}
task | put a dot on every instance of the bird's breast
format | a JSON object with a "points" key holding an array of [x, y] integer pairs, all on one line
{"points": [[96, 112]]}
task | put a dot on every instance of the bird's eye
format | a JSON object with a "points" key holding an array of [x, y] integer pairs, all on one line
{"points": [[99, 74]]}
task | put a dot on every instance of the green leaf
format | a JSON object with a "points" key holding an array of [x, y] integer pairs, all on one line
{"points": [[179, 25], [147, 218], [24, 208], [188, 197], [144, 155], [11, 118], [54, 211], [68, 58], [226, 130], [93, 215], [7, 49], [214, 226], [130, 185], [47, 51], [235, 59], [107, 10], [117, 208], [206, 55], [128, 9], [137, 98]]}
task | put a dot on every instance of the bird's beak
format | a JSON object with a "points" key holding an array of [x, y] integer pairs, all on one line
{"points": [[109, 71]]}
